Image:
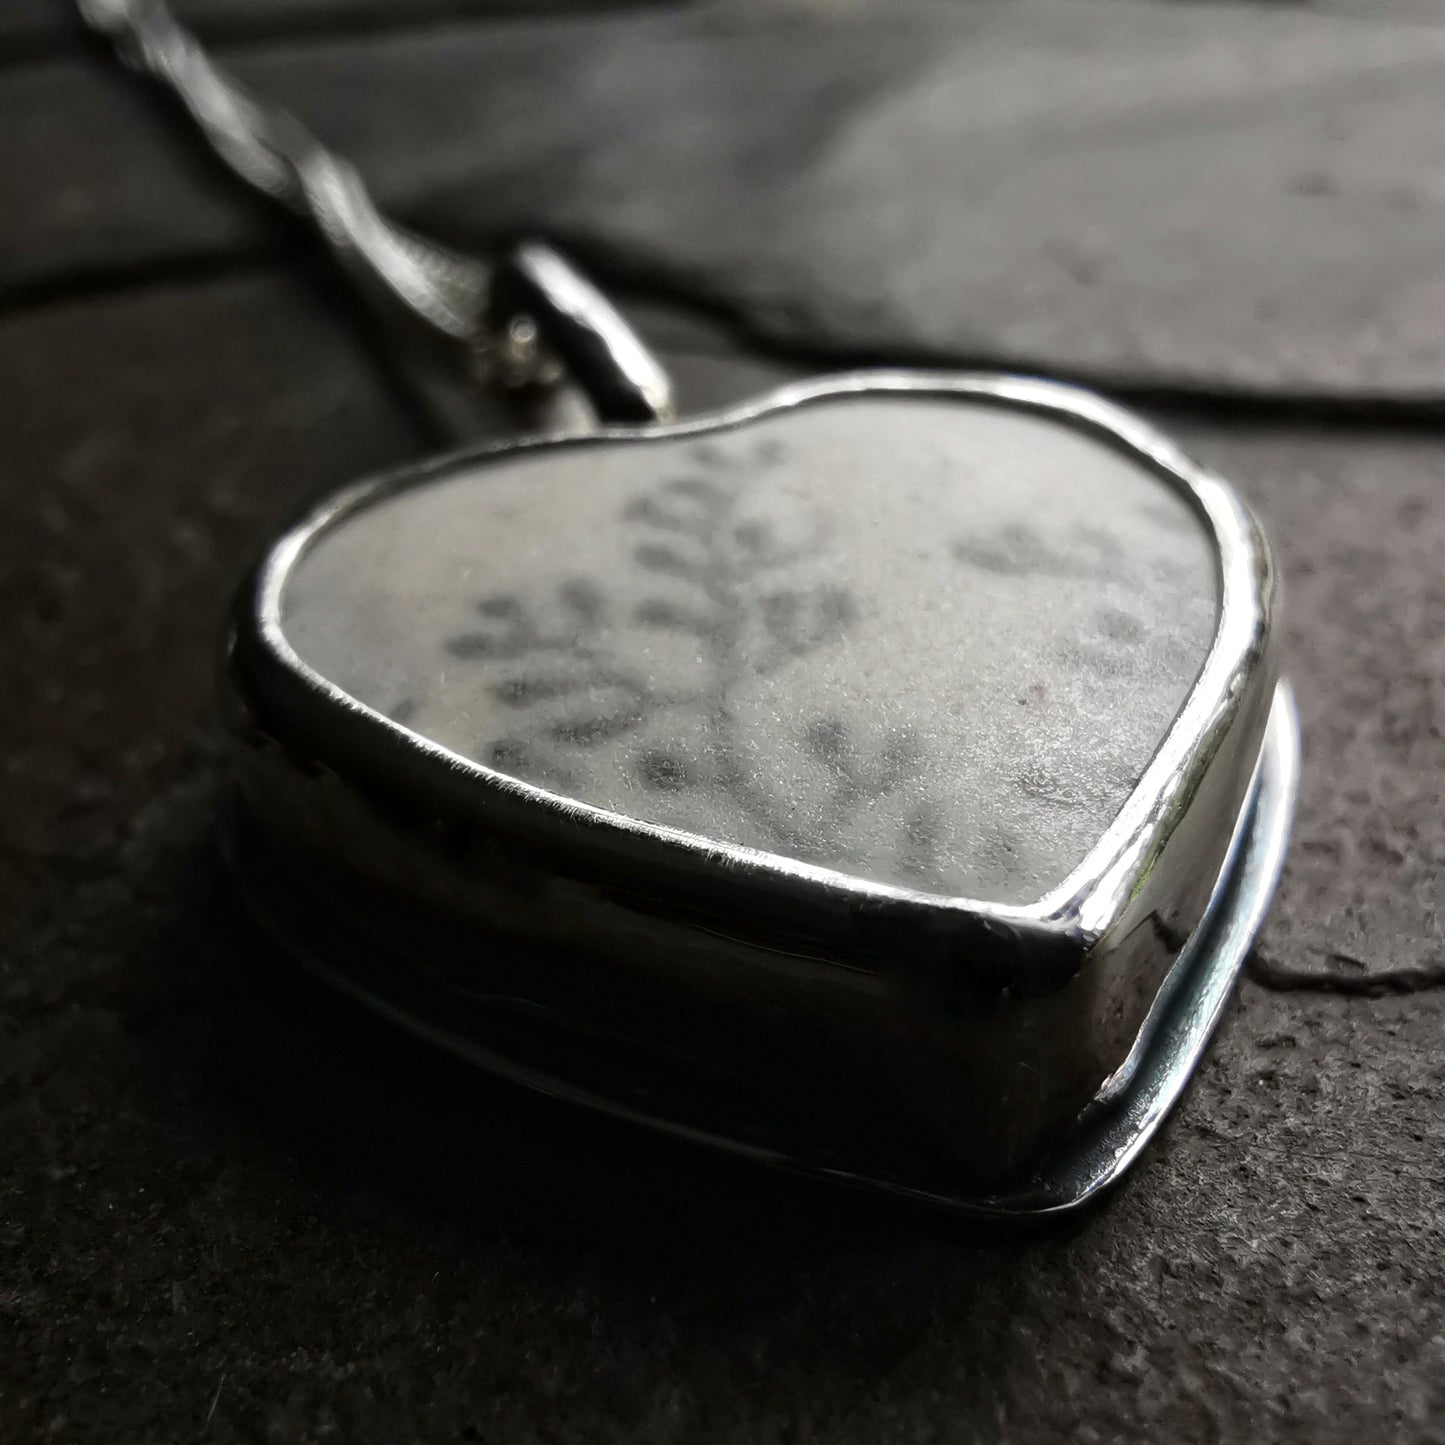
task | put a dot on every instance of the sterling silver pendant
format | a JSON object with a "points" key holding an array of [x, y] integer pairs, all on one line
{"points": [[885, 780]]}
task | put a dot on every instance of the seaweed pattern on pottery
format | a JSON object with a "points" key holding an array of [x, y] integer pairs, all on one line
{"points": [[722, 578], [931, 655]]}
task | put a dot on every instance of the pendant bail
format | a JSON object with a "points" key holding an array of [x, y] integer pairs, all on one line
{"points": [[549, 323]]}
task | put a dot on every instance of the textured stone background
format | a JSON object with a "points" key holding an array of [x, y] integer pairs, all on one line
{"points": [[234, 1210]]}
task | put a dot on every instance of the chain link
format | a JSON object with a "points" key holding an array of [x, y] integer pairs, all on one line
{"points": [[561, 326], [269, 148]]}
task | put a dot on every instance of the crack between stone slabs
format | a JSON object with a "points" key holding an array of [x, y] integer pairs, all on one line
{"points": [[738, 337], [1323, 1156], [1281, 978], [323, 280], [680, 331], [1205, 401], [651, 278], [102, 283]]}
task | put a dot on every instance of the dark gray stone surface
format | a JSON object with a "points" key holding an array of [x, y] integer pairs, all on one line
{"points": [[231, 1204], [1192, 195], [1359, 524], [145, 438], [231, 1208]]}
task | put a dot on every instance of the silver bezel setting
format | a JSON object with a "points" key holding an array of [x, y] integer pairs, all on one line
{"points": [[1213, 801]]}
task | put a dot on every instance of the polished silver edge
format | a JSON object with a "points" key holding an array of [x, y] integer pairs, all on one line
{"points": [[1095, 893], [1111, 1139]]}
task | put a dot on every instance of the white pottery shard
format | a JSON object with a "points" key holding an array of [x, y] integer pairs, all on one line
{"points": [[928, 642]]}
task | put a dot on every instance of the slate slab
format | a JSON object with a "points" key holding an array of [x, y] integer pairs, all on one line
{"points": [[1200, 196], [231, 1205]]}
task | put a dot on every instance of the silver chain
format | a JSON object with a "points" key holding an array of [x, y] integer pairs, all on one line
{"points": [[515, 321]]}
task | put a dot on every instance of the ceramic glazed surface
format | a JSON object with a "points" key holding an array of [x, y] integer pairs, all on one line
{"points": [[929, 642]]}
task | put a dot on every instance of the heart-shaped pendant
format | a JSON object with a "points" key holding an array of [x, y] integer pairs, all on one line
{"points": [[886, 779]]}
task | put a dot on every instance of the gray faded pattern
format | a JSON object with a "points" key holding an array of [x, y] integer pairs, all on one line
{"points": [[933, 643]]}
